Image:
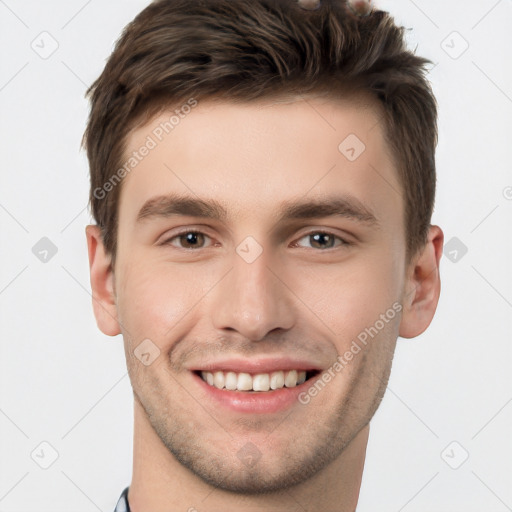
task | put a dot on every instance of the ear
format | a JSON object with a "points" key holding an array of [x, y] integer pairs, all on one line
{"points": [[422, 286], [102, 283]]}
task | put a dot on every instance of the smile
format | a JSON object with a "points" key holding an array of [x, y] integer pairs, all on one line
{"points": [[242, 381]]}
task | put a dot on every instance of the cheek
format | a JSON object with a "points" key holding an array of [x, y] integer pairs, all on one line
{"points": [[162, 301], [155, 297], [348, 297]]}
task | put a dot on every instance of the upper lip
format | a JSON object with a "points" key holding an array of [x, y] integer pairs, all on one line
{"points": [[254, 366]]}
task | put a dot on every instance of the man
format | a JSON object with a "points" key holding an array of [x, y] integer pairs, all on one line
{"points": [[262, 179]]}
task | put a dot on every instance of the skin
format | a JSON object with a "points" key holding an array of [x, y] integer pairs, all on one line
{"points": [[298, 298]]}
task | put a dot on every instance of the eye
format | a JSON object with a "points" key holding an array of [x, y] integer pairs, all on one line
{"points": [[324, 240], [191, 239]]}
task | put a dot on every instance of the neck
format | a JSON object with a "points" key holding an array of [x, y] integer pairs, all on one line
{"points": [[160, 483]]}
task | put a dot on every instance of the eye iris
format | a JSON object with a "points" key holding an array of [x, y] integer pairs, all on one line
{"points": [[322, 238], [191, 238]]}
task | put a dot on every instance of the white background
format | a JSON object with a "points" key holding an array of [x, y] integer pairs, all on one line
{"points": [[63, 382]]}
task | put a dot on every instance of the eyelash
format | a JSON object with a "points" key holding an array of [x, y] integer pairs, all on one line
{"points": [[344, 243]]}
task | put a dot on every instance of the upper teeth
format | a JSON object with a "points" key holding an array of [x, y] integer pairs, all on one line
{"points": [[259, 382]]}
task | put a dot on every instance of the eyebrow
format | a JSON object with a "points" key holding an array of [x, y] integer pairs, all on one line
{"points": [[340, 206]]}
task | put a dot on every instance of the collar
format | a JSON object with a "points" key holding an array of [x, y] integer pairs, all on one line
{"points": [[122, 503]]}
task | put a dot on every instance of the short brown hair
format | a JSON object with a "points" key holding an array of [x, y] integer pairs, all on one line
{"points": [[239, 50]]}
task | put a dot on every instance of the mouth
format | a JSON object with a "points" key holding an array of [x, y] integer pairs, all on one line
{"points": [[255, 383], [258, 385]]}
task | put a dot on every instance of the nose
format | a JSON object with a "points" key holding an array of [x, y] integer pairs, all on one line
{"points": [[253, 300]]}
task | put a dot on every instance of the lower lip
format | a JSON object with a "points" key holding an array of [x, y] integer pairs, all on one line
{"points": [[255, 401]]}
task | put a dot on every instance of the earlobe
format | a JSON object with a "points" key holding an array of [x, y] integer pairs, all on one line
{"points": [[423, 287], [102, 283]]}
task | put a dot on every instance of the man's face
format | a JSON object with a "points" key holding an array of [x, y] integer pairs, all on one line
{"points": [[255, 293]]}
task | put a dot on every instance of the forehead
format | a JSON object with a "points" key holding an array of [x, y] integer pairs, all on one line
{"points": [[253, 156]]}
